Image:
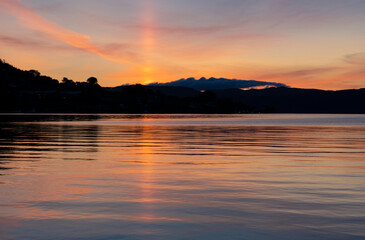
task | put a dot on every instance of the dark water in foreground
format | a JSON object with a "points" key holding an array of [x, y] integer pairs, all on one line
{"points": [[182, 177]]}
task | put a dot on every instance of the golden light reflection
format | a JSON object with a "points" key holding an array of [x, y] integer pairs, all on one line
{"points": [[147, 186]]}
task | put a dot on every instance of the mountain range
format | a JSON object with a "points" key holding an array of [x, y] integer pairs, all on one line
{"points": [[218, 83]]}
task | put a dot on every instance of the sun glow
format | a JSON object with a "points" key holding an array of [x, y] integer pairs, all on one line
{"points": [[145, 41], [148, 39]]}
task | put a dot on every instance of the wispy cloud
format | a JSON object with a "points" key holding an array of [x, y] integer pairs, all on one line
{"points": [[332, 77], [356, 58], [51, 30], [7, 40], [348, 79], [33, 44], [300, 73], [181, 29]]}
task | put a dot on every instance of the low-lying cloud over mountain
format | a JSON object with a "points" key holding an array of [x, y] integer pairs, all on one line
{"points": [[218, 83]]}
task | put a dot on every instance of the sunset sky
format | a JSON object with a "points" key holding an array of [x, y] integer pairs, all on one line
{"points": [[302, 43]]}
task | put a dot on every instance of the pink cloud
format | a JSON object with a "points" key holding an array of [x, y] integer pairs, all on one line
{"points": [[34, 44], [51, 30], [300, 73]]}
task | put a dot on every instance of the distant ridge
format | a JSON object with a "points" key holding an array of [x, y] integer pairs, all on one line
{"points": [[218, 83], [30, 92]]}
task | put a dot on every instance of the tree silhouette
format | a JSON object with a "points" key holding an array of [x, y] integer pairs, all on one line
{"points": [[92, 80], [35, 73], [65, 80]]}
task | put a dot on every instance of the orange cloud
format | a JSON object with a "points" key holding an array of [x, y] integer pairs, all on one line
{"points": [[301, 73], [348, 79], [53, 31], [330, 78]]}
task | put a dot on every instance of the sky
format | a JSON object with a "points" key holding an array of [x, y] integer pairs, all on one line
{"points": [[301, 43]]}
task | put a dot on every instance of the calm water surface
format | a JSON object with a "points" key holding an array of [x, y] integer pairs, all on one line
{"points": [[182, 177]]}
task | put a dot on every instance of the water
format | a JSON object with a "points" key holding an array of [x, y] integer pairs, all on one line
{"points": [[182, 177]]}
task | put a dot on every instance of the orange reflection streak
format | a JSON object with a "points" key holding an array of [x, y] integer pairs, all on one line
{"points": [[147, 172], [147, 176]]}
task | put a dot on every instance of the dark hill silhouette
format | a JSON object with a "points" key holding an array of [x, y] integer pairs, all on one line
{"points": [[295, 100], [29, 91], [27, 80], [181, 92], [217, 83]]}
